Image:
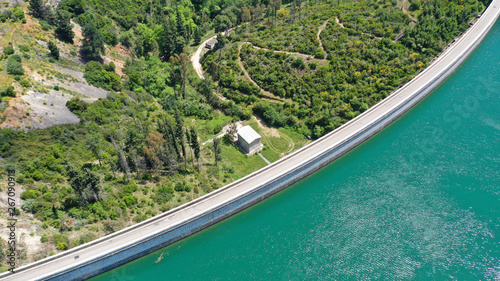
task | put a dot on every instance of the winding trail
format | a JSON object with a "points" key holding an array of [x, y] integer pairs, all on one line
{"points": [[337, 21], [266, 94], [319, 32], [295, 54], [361, 32], [195, 59]]}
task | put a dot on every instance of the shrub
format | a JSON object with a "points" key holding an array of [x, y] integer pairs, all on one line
{"points": [[56, 224], [24, 48], [99, 76], [62, 246], [110, 226], [3, 17], [37, 175], [9, 50], [7, 92], [76, 105], [18, 13], [130, 200], [108, 177], [44, 238], [110, 67], [59, 238], [415, 5], [30, 194], [45, 25], [87, 237], [163, 195], [140, 218], [14, 67], [320, 54], [16, 58]]}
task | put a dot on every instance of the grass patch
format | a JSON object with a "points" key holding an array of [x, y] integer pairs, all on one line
{"points": [[243, 165], [207, 129], [277, 147]]}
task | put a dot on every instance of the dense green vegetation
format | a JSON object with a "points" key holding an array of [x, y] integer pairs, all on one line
{"points": [[374, 48]]}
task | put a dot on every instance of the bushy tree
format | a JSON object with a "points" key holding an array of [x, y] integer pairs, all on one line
{"points": [[100, 76], [76, 105], [86, 183]]}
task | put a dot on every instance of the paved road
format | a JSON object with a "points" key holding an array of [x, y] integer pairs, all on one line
{"points": [[210, 201]]}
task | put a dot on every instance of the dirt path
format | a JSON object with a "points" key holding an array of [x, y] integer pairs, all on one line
{"points": [[304, 56], [367, 34], [195, 59], [338, 22], [404, 7], [265, 93], [319, 32]]}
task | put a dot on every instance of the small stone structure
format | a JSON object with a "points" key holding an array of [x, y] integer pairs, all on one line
{"points": [[249, 140], [211, 43]]}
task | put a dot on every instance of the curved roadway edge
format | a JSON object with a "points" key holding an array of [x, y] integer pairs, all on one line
{"points": [[133, 242], [195, 59]]}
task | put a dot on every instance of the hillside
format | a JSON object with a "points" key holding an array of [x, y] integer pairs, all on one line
{"points": [[332, 62]]}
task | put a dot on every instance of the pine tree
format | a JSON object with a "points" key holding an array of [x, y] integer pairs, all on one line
{"points": [[197, 36], [64, 27], [181, 28], [168, 46], [38, 9], [54, 51], [93, 44]]}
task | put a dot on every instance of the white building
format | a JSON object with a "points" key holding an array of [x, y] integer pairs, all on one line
{"points": [[249, 140], [211, 43]]}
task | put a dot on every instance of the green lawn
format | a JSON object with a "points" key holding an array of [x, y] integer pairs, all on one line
{"points": [[277, 147], [242, 164]]}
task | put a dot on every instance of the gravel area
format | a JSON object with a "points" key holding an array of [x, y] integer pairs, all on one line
{"points": [[47, 110]]}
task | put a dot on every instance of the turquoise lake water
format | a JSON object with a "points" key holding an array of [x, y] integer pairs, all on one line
{"points": [[419, 201]]}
